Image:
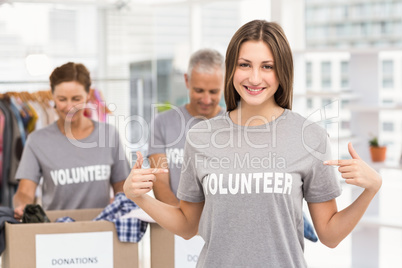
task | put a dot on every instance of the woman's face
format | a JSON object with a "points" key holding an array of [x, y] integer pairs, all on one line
{"points": [[255, 78], [70, 99]]}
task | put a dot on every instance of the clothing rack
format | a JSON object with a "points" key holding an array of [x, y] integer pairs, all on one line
{"points": [[47, 82]]}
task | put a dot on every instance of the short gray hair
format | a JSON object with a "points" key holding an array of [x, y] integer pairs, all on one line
{"points": [[205, 61]]}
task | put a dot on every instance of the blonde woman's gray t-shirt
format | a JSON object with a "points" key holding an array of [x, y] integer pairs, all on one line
{"points": [[253, 181], [76, 173]]}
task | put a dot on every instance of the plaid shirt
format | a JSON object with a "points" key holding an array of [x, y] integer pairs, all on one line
{"points": [[128, 229]]}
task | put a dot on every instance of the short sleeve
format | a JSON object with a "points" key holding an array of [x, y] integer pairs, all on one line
{"points": [[29, 166], [190, 187], [156, 144], [321, 184]]}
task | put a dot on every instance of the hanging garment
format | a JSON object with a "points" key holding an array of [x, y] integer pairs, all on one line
{"points": [[6, 215], [17, 145], [2, 122], [96, 106], [7, 190], [16, 108], [34, 118]]}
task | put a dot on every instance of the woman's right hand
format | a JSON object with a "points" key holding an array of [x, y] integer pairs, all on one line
{"points": [[18, 212], [140, 181], [25, 195]]}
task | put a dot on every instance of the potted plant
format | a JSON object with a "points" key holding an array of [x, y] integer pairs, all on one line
{"points": [[377, 152]]}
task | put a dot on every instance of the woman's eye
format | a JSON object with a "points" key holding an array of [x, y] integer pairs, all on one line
{"points": [[244, 65], [268, 67]]}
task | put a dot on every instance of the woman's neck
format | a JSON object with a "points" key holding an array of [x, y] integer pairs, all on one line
{"points": [[78, 129], [246, 115]]}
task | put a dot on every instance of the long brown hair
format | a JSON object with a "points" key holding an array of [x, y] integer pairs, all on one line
{"points": [[272, 34], [70, 72]]}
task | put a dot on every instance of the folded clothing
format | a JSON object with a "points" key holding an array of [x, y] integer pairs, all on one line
{"points": [[128, 229], [34, 213]]}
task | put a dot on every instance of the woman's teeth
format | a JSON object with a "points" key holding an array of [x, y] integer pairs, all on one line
{"points": [[254, 90]]}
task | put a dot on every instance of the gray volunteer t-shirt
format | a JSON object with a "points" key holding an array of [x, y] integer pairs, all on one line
{"points": [[76, 173], [168, 136], [253, 181]]}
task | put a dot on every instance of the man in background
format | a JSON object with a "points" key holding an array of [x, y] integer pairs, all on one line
{"points": [[204, 81]]}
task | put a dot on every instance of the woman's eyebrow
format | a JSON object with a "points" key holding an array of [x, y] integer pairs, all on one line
{"points": [[266, 61]]}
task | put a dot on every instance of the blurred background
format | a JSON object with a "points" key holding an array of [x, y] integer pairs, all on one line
{"points": [[348, 77]]}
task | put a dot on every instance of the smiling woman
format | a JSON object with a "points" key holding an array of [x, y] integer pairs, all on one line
{"points": [[70, 84], [277, 59], [77, 167], [255, 78], [251, 215]]}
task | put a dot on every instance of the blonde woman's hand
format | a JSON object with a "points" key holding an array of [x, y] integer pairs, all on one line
{"points": [[18, 212], [355, 171], [140, 181]]}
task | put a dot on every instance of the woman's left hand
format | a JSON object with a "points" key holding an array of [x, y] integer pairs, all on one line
{"points": [[355, 171]]}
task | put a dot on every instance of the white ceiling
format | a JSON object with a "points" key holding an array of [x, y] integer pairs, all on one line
{"points": [[116, 3]]}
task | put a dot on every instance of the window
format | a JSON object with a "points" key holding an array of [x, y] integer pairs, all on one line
{"points": [[388, 126], [387, 102], [326, 82], [326, 67], [387, 83], [323, 13], [388, 67], [344, 103], [388, 74], [397, 8], [310, 32], [341, 29], [397, 27], [364, 29], [309, 13], [309, 80], [337, 13], [345, 11], [309, 67], [386, 27], [344, 74], [326, 102], [344, 67], [310, 103], [345, 125], [344, 83]]}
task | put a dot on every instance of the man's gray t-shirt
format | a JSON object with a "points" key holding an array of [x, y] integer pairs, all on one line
{"points": [[168, 136], [253, 181], [76, 173]]}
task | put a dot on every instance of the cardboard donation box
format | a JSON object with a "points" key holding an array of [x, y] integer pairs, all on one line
{"points": [[83, 243], [171, 251]]}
